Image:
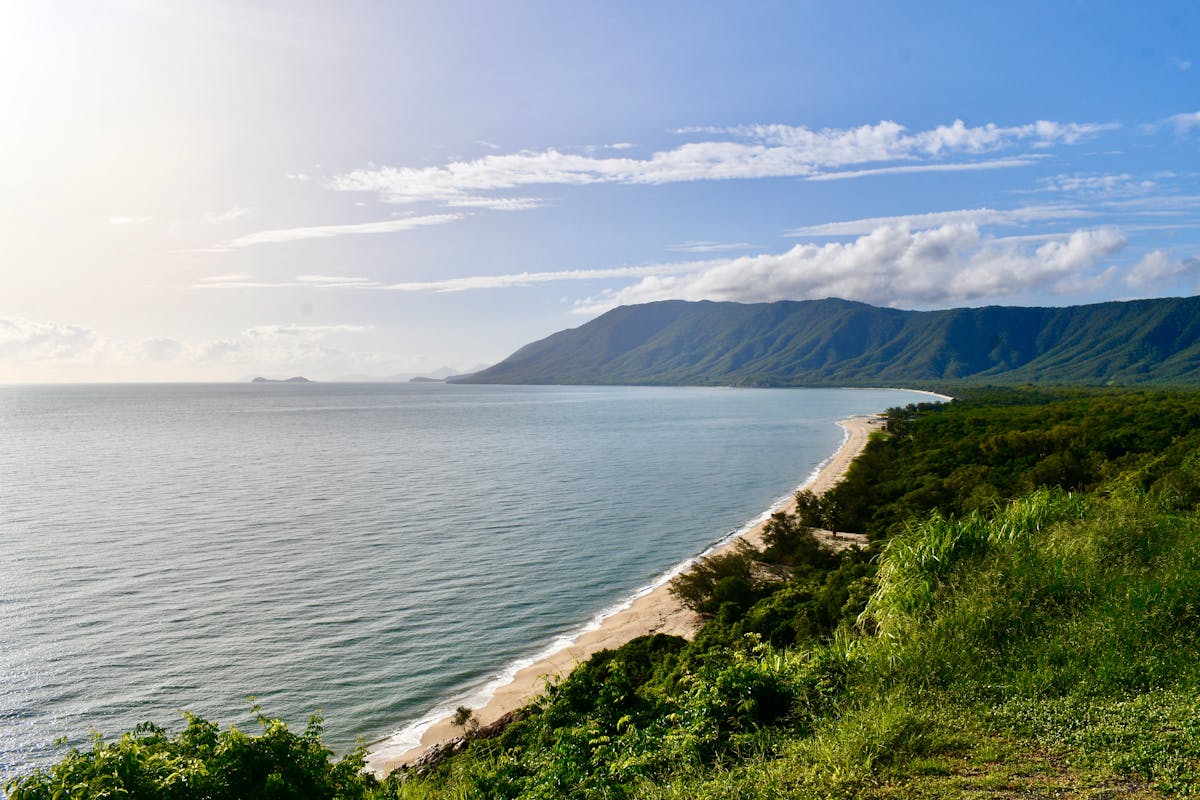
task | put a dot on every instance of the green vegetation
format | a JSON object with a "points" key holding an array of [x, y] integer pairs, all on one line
{"points": [[1025, 623], [204, 763], [996, 444], [840, 343]]}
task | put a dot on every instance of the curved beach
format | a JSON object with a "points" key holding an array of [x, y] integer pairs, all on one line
{"points": [[653, 612]]}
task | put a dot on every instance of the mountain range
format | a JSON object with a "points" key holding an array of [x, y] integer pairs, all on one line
{"points": [[839, 342]]}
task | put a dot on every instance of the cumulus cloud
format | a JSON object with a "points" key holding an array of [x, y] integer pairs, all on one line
{"points": [[38, 351], [282, 347], [123, 220], [753, 151], [1157, 267], [931, 260], [934, 219], [27, 340], [891, 266]]}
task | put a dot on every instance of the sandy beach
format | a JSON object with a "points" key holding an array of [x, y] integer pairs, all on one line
{"points": [[655, 612]]}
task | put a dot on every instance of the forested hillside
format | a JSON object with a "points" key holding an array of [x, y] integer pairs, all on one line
{"points": [[841, 343]]}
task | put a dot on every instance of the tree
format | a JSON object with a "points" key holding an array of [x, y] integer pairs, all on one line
{"points": [[465, 718], [723, 577]]}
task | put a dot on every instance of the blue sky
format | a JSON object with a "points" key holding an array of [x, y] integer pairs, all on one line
{"points": [[215, 190]]}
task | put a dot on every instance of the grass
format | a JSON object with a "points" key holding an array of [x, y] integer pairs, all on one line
{"points": [[1050, 650]]}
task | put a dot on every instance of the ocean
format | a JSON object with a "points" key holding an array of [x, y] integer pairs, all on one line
{"points": [[369, 551]]}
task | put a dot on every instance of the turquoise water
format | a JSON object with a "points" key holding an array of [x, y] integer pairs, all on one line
{"points": [[372, 551]]}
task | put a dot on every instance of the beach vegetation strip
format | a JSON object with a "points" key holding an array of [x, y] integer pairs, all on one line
{"points": [[1042, 642]]}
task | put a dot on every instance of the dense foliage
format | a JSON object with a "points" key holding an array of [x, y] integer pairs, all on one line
{"points": [[993, 445], [1041, 642], [202, 762], [835, 342]]}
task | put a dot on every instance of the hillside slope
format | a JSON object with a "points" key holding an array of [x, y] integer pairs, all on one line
{"points": [[839, 342]]}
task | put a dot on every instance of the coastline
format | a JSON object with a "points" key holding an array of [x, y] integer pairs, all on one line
{"points": [[651, 611]]}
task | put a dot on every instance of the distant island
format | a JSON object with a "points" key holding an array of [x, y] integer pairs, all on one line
{"points": [[835, 342], [422, 379], [296, 379]]}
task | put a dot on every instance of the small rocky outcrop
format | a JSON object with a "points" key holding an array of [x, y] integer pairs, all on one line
{"points": [[439, 752]]}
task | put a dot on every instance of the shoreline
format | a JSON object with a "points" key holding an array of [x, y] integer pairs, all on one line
{"points": [[652, 610]]}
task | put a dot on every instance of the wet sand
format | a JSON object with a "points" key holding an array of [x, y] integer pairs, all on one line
{"points": [[655, 612]]}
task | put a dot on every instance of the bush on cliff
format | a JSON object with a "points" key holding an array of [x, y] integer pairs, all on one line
{"points": [[203, 762]]}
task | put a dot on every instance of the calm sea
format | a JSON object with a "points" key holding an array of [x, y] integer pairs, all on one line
{"points": [[371, 551]]}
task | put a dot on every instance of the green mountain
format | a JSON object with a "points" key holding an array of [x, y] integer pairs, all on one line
{"points": [[838, 342]]}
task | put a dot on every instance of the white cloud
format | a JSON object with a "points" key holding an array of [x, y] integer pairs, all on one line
{"points": [[1157, 267], [310, 332], [1185, 123], [891, 266], [533, 278], [161, 349], [326, 231], [496, 203], [127, 220], [1079, 183], [889, 140], [229, 277], [236, 212], [245, 283], [758, 151], [27, 340], [941, 259], [708, 247], [242, 280], [905, 169], [51, 351], [286, 348], [1181, 64], [1182, 124], [335, 280], [934, 219], [461, 284]]}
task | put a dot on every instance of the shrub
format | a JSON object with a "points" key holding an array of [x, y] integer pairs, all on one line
{"points": [[203, 763]]}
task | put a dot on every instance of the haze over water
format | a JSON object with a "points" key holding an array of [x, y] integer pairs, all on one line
{"points": [[372, 551]]}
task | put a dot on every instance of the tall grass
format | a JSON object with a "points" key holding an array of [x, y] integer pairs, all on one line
{"points": [[927, 558], [1057, 594]]}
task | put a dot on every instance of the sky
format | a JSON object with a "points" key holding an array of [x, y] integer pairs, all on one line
{"points": [[209, 191]]}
